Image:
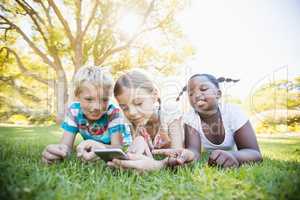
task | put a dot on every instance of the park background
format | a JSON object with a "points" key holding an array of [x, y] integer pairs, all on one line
{"points": [[44, 42]]}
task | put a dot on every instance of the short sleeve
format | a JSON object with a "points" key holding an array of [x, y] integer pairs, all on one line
{"points": [[191, 119], [237, 118], [69, 124], [170, 111]]}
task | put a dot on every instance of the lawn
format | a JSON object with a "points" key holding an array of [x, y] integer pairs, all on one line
{"points": [[23, 176]]}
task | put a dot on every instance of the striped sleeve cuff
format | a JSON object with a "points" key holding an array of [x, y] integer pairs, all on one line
{"points": [[69, 128]]}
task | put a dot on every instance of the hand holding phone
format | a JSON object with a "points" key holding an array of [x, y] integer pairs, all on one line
{"points": [[108, 154]]}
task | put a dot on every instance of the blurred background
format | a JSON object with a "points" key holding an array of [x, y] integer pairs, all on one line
{"points": [[43, 43]]}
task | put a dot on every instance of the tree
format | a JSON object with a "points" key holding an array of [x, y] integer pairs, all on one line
{"points": [[281, 94], [276, 107], [23, 95], [65, 35]]}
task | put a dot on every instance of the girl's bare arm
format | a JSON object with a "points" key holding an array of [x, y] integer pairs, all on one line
{"points": [[192, 140], [248, 149]]}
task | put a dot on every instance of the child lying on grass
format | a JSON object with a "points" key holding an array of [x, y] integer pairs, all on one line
{"points": [[153, 124], [219, 128], [98, 120]]}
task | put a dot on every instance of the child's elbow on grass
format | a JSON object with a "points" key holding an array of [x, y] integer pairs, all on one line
{"points": [[259, 157], [197, 155]]}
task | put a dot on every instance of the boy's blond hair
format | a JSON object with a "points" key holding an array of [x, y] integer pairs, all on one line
{"points": [[97, 76]]}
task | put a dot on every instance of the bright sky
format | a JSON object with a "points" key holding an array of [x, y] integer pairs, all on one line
{"points": [[252, 40], [256, 41]]}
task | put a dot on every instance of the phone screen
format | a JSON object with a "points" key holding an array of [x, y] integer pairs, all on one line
{"points": [[110, 154]]}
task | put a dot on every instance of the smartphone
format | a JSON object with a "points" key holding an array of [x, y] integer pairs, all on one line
{"points": [[110, 153]]}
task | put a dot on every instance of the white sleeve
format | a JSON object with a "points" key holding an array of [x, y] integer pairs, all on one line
{"points": [[237, 118], [170, 111], [192, 119]]}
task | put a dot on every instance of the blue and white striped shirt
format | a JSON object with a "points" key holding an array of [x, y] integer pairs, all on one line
{"points": [[110, 123]]}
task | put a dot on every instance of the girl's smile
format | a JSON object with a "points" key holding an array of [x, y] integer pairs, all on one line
{"points": [[203, 95], [200, 103]]}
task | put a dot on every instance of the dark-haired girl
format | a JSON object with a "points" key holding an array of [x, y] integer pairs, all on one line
{"points": [[221, 129]]}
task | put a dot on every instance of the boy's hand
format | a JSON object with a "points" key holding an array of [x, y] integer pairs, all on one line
{"points": [[176, 156], [222, 158], [54, 152], [85, 150]]}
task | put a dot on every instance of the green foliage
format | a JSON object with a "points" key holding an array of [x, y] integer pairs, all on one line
{"points": [[278, 121], [280, 95], [22, 95], [276, 107], [18, 119], [23, 176], [50, 47], [230, 99], [277, 128], [58, 41]]}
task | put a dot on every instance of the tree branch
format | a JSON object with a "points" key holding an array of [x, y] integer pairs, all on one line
{"points": [[149, 10], [78, 17], [47, 10], [23, 69], [3, 8], [78, 57], [10, 80], [90, 18], [34, 12], [131, 40], [30, 43], [29, 10], [97, 38], [52, 49], [63, 21]]}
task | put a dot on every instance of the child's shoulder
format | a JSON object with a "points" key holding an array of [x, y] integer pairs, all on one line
{"points": [[74, 105], [74, 108], [190, 112], [233, 113], [234, 116], [190, 117], [113, 108], [229, 108]]}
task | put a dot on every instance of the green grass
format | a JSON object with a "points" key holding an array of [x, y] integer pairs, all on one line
{"points": [[23, 176]]}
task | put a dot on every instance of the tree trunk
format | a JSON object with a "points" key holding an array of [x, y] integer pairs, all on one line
{"points": [[61, 94]]}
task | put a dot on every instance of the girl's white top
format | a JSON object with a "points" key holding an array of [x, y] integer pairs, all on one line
{"points": [[233, 118], [170, 109]]}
